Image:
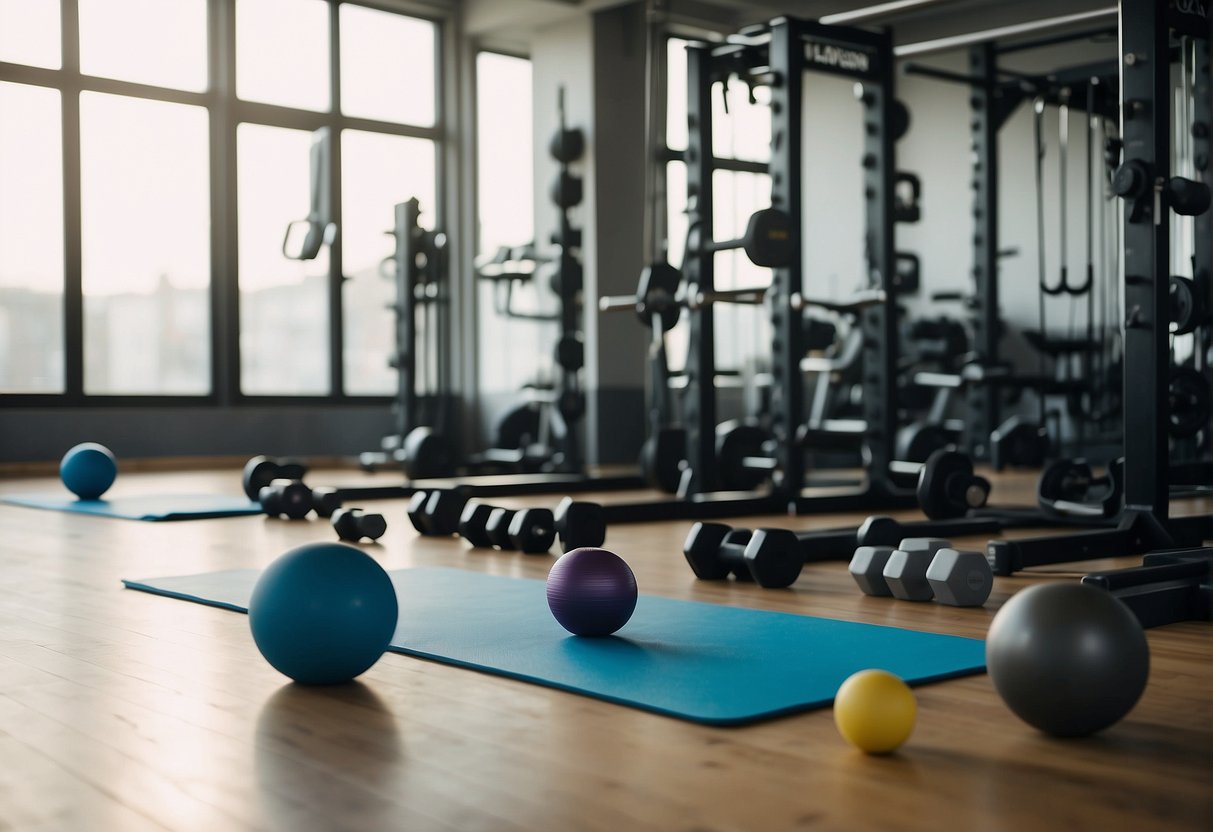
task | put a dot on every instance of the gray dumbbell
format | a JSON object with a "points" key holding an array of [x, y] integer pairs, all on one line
{"points": [[867, 568], [960, 579], [906, 569]]}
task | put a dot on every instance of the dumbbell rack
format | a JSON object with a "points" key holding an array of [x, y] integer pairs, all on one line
{"points": [[1145, 522]]}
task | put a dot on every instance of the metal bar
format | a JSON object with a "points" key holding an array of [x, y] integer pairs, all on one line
{"points": [[73, 290], [699, 410], [225, 265], [942, 75], [982, 400], [907, 50], [1146, 129], [336, 260], [1054, 40], [787, 57], [881, 10]]}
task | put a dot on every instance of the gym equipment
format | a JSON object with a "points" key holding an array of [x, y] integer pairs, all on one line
{"points": [[875, 711], [591, 592], [295, 500], [146, 507], [436, 513], [948, 488], [353, 524], [1020, 443], [769, 557], [1070, 487], [1190, 402], [768, 239], [1167, 588], [1144, 524], [540, 435], [531, 530], [905, 572], [923, 568], [323, 613], [960, 578], [497, 528], [706, 663], [1186, 305], [304, 238], [1066, 658], [422, 309], [88, 470], [260, 471], [580, 525], [867, 568]]}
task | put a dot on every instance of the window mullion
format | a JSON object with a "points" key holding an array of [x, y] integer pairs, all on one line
{"points": [[336, 267], [73, 291]]}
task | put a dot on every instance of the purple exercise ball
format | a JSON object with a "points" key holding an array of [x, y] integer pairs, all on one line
{"points": [[591, 592]]}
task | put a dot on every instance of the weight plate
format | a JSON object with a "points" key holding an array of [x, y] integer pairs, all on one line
{"points": [[661, 458], [934, 497], [734, 442], [1190, 401]]}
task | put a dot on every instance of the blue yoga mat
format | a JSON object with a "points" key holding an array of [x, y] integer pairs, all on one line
{"points": [[700, 662], [142, 507]]}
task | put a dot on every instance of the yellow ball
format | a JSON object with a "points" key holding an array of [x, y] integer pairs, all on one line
{"points": [[874, 711]]}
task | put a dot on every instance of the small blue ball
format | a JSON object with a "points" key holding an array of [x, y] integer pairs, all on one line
{"points": [[591, 592], [88, 470], [323, 613]]}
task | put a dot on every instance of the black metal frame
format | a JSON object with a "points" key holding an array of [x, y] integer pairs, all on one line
{"points": [[779, 54], [225, 113], [1145, 522], [993, 100]]}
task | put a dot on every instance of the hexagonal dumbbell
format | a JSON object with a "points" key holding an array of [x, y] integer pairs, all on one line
{"points": [[473, 523], [867, 568], [769, 557], [580, 524], [497, 527], [960, 579], [906, 570], [533, 530], [286, 498], [436, 513], [353, 524]]}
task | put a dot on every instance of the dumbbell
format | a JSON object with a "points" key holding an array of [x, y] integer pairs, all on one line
{"points": [[922, 568], [294, 499], [769, 557], [530, 530], [353, 524], [947, 486], [768, 239], [436, 513], [577, 523], [260, 471]]}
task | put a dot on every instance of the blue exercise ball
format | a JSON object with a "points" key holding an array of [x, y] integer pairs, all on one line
{"points": [[591, 592], [88, 470], [1067, 658], [323, 613]]}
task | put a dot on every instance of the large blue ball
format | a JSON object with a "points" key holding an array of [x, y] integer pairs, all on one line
{"points": [[323, 613], [88, 470], [591, 592]]}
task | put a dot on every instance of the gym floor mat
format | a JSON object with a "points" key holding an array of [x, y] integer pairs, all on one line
{"points": [[151, 507], [700, 662]]}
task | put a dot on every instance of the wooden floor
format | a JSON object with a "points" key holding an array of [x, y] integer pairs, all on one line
{"points": [[125, 711]]}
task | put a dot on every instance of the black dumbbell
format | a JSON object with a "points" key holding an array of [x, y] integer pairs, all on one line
{"points": [[530, 530], [497, 527], [353, 524], [260, 471], [294, 499], [580, 524], [769, 557], [947, 486], [436, 513]]}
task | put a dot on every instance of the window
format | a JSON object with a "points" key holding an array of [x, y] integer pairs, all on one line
{"points": [[31, 240], [505, 215], [118, 275]]}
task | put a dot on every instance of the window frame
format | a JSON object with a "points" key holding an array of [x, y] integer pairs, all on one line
{"points": [[225, 112]]}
